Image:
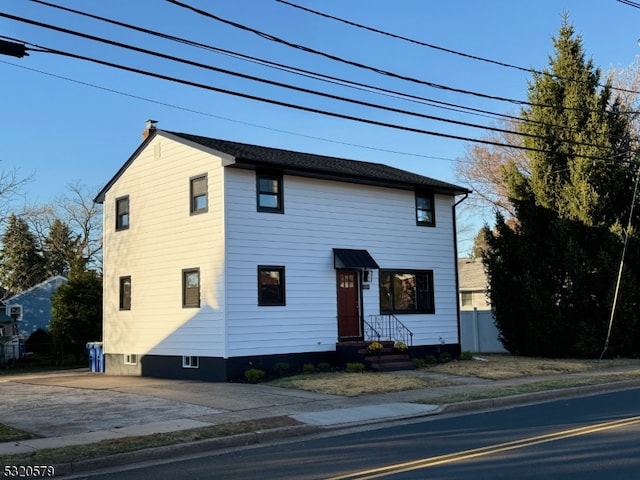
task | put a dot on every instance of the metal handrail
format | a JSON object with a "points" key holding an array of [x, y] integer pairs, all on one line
{"points": [[387, 327]]}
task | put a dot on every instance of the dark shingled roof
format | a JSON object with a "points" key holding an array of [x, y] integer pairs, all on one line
{"points": [[320, 166], [304, 164]]}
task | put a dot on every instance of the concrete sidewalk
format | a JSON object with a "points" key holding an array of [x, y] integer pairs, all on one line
{"points": [[76, 408]]}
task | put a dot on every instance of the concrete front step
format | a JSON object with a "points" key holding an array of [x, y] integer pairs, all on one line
{"points": [[389, 362]]}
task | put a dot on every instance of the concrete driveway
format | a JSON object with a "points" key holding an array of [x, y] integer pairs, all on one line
{"points": [[60, 404]]}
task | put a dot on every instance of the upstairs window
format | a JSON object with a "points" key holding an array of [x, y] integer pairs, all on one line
{"points": [[191, 288], [271, 286], [125, 293], [269, 193], [409, 291], [122, 213], [425, 211], [198, 194]]}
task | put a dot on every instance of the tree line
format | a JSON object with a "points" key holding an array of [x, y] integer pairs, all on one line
{"points": [[563, 257], [62, 238]]}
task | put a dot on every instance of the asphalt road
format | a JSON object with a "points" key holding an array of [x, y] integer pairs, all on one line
{"points": [[592, 437]]}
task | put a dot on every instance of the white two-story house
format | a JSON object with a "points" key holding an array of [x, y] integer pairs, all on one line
{"points": [[222, 256]]}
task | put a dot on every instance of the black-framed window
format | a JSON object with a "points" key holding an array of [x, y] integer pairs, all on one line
{"points": [[125, 293], [271, 286], [122, 213], [425, 209], [406, 291], [191, 288], [269, 193], [198, 190]]}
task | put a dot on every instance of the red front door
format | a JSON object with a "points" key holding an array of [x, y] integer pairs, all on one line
{"points": [[349, 320]]}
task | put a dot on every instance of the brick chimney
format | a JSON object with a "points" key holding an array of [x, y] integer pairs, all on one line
{"points": [[149, 127]]}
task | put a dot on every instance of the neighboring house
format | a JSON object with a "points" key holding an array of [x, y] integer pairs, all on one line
{"points": [[32, 308], [473, 284], [221, 256], [478, 332]]}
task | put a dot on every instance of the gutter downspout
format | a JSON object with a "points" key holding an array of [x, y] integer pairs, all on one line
{"points": [[455, 260]]}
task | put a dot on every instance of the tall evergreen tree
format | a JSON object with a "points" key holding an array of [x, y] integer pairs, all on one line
{"points": [[21, 261], [76, 311], [552, 277], [61, 248]]}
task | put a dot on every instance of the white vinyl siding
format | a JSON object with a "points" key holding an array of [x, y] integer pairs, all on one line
{"points": [[164, 240], [319, 216]]}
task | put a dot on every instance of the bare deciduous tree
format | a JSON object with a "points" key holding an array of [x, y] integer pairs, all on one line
{"points": [[481, 170]]}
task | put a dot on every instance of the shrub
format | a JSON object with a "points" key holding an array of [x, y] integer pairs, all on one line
{"points": [[324, 367], [308, 368], [254, 375], [430, 360], [355, 367], [445, 357], [466, 356], [281, 368], [39, 342], [419, 363]]}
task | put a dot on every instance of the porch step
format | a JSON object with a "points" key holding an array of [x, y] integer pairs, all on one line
{"points": [[389, 361]]}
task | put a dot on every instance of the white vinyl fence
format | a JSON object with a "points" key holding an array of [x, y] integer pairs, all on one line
{"points": [[478, 333]]}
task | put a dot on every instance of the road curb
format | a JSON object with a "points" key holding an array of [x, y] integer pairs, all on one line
{"points": [[262, 436], [200, 446], [523, 398]]}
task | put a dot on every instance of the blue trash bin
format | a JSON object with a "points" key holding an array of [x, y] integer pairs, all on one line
{"points": [[96, 357]]}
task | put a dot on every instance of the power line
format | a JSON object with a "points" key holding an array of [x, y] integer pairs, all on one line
{"points": [[315, 75], [263, 80], [380, 71], [273, 38], [220, 117], [292, 69], [286, 104], [274, 83], [149, 52], [301, 107], [449, 50], [630, 3]]}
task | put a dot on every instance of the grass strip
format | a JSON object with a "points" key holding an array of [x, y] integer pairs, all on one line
{"points": [[10, 434], [53, 456], [533, 387]]}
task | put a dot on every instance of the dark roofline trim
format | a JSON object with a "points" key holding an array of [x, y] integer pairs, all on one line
{"points": [[310, 165], [385, 176], [312, 173]]}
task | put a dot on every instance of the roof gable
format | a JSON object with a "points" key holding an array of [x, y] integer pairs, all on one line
{"points": [[303, 164], [50, 283], [471, 275]]}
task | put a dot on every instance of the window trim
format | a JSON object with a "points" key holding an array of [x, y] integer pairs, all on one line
{"points": [[193, 210], [432, 210], [420, 309], [278, 177], [123, 306], [186, 272], [120, 225], [282, 287], [190, 361]]}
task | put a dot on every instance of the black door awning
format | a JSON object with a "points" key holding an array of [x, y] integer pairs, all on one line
{"points": [[347, 258]]}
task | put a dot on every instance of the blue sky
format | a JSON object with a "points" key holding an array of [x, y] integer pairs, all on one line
{"points": [[54, 123]]}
